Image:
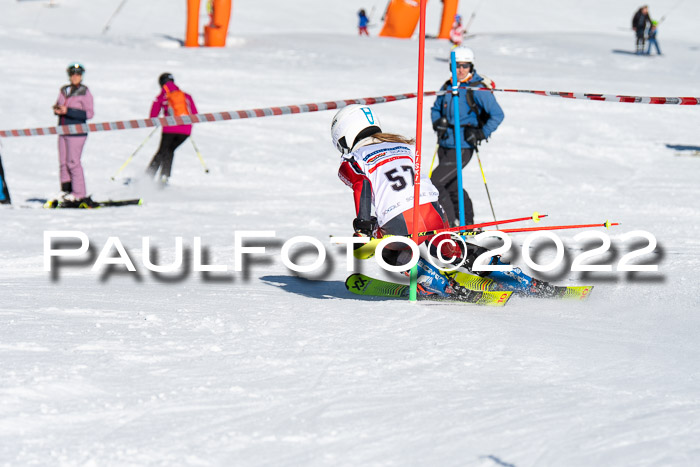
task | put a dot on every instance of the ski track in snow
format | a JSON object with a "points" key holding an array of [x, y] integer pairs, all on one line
{"points": [[265, 368]]}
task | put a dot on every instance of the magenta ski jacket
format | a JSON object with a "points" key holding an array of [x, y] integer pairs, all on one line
{"points": [[161, 105]]}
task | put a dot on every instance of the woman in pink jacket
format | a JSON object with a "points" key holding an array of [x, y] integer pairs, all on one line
{"points": [[170, 101], [74, 105]]}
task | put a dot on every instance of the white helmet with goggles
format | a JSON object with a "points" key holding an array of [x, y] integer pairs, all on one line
{"points": [[464, 54], [353, 124]]}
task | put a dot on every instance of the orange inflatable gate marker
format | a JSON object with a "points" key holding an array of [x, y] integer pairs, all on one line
{"points": [[449, 10], [402, 18], [215, 33]]}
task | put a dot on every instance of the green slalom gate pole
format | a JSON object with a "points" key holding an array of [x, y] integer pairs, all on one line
{"points": [[413, 290]]}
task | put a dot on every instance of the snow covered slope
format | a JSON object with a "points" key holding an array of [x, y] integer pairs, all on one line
{"points": [[261, 367]]}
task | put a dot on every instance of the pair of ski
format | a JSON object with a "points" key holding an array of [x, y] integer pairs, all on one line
{"points": [[56, 204], [481, 290]]}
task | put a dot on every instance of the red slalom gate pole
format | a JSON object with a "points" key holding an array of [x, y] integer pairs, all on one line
{"points": [[413, 293], [605, 224]]}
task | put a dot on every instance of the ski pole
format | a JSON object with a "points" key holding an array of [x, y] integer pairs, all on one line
{"points": [[371, 13], [663, 18], [367, 250], [106, 28], [471, 19], [199, 154], [432, 163], [131, 157], [431, 233], [485, 185], [606, 224], [536, 216]]}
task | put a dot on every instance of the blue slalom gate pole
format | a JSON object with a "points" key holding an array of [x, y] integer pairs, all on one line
{"points": [[458, 135]]}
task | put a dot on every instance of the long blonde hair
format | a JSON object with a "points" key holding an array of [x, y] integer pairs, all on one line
{"points": [[393, 138]]}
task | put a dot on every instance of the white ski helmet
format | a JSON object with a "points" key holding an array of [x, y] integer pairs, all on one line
{"points": [[352, 124], [464, 54]]}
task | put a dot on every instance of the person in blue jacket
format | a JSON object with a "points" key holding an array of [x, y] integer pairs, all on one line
{"points": [[4, 191], [479, 116], [363, 22], [652, 38]]}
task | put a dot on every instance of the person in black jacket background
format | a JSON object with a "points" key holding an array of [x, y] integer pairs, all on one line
{"points": [[639, 24]]}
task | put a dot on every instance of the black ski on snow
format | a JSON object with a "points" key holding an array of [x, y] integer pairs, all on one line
{"points": [[56, 203]]}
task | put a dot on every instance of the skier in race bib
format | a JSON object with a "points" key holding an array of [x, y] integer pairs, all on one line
{"points": [[378, 166], [73, 106], [171, 102]]}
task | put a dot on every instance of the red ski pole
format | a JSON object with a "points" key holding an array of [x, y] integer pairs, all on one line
{"points": [[606, 224], [534, 217]]}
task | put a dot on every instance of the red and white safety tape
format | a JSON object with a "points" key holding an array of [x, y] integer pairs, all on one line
{"points": [[315, 107], [608, 97], [201, 118]]}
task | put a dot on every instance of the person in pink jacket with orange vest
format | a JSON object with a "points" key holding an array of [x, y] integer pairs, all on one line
{"points": [[172, 102], [74, 105]]}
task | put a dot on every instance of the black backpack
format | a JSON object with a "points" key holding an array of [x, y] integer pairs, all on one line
{"points": [[481, 115]]}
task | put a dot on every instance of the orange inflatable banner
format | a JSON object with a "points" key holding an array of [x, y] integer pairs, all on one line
{"points": [[402, 18], [216, 31]]}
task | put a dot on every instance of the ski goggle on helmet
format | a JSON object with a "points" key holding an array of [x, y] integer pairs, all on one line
{"points": [[352, 124], [75, 69]]}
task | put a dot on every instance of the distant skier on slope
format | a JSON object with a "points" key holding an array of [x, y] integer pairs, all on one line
{"points": [[378, 166], [170, 101], [363, 22], [73, 106], [479, 116], [457, 32], [652, 38], [639, 25]]}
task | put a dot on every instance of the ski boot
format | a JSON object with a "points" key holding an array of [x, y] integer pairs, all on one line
{"points": [[87, 203], [520, 283], [433, 282], [68, 201]]}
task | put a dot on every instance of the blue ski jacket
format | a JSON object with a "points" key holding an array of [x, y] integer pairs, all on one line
{"points": [[364, 20], [485, 102]]}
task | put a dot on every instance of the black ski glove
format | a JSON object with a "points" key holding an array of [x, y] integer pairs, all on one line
{"points": [[364, 226], [473, 135], [440, 126]]}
